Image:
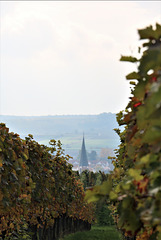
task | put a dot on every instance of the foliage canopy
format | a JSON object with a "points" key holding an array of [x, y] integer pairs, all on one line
{"points": [[134, 187], [37, 184]]}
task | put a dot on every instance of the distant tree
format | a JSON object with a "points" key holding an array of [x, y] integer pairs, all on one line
{"points": [[98, 179], [89, 178], [103, 214], [92, 178], [84, 177]]}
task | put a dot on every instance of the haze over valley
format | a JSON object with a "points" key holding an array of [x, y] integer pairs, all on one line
{"points": [[100, 138]]}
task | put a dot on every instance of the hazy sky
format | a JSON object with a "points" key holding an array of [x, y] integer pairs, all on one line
{"points": [[62, 57]]}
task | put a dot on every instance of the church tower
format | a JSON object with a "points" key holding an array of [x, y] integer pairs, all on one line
{"points": [[83, 157]]}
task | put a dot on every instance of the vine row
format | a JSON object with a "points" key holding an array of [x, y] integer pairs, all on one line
{"points": [[37, 184]]}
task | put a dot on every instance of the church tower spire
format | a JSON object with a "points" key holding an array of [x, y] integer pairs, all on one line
{"points": [[83, 157]]}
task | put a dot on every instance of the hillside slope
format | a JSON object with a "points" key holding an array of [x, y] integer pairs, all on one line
{"points": [[98, 130]]}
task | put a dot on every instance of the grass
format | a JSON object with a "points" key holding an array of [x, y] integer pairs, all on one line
{"points": [[96, 233]]}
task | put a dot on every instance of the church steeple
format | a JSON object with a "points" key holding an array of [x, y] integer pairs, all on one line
{"points": [[83, 157]]}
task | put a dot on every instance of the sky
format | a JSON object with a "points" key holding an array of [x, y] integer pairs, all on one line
{"points": [[62, 57]]}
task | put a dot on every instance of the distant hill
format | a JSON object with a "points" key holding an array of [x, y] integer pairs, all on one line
{"points": [[98, 129]]}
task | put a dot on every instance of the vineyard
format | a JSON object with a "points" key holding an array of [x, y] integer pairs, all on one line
{"points": [[134, 187], [39, 190], [42, 198]]}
